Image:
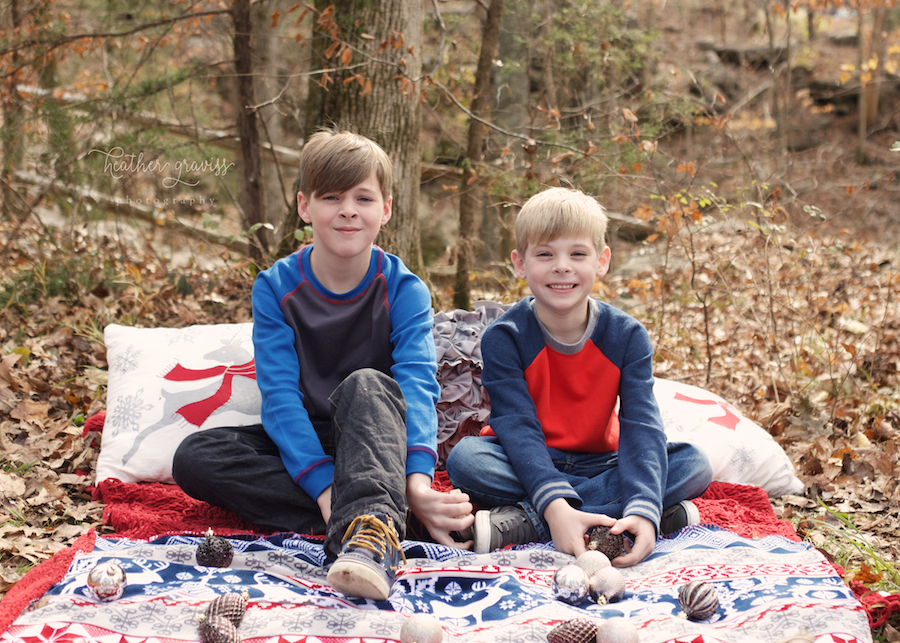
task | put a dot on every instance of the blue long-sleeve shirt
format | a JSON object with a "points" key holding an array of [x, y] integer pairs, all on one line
{"points": [[547, 394], [308, 339]]}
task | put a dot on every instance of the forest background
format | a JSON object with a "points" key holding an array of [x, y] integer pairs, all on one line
{"points": [[744, 151]]}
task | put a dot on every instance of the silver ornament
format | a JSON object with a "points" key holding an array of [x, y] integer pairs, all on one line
{"points": [[569, 584], [606, 586], [106, 581], [800, 637], [421, 628], [593, 560], [218, 629], [617, 629], [698, 600], [231, 607]]}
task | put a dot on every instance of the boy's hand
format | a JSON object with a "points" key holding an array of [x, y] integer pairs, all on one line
{"points": [[324, 502], [439, 512], [644, 539], [569, 526]]}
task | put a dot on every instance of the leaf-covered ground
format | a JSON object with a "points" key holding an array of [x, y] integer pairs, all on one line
{"points": [[799, 332]]}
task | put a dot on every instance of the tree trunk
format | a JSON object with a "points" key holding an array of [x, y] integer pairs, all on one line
{"points": [[471, 195], [546, 32], [777, 107], [59, 139], [514, 48], [269, 56], [877, 51], [862, 127], [375, 90], [789, 91], [252, 200], [11, 135], [291, 222]]}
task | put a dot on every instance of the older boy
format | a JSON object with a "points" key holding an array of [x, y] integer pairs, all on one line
{"points": [[345, 361], [560, 458]]}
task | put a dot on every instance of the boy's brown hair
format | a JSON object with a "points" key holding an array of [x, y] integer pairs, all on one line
{"points": [[559, 213], [335, 161]]}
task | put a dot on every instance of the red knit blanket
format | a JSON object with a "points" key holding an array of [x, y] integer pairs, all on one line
{"points": [[144, 510]]}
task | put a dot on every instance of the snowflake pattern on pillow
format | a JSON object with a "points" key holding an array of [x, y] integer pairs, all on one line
{"points": [[165, 383]]}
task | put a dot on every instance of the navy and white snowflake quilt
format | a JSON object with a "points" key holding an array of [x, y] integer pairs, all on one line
{"points": [[767, 588]]}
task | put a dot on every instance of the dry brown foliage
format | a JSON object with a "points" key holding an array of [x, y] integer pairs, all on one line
{"points": [[798, 331]]}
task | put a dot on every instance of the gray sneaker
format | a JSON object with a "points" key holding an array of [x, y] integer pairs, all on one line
{"points": [[369, 558], [677, 517], [502, 526]]}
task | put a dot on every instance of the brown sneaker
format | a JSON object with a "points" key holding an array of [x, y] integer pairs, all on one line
{"points": [[369, 559]]}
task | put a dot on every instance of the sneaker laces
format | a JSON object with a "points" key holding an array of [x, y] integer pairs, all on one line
{"points": [[373, 535], [513, 527]]}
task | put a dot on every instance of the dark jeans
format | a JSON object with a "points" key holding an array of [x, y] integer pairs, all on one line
{"points": [[240, 469]]}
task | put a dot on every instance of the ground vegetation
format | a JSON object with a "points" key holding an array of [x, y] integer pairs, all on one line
{"points": [[754, 221]]}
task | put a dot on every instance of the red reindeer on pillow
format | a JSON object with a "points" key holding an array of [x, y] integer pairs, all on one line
{"points": [[233, 389]]}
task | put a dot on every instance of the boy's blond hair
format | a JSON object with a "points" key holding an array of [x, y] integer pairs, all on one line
{"points": [[335, 161], [561, 213]]}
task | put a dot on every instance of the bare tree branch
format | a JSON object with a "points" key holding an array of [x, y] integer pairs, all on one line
{"points": [[53, 44], [521, 137], [137, 211]]}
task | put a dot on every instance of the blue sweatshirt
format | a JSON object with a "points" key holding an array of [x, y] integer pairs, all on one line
{"points": [[307, 340], [547, 394]]}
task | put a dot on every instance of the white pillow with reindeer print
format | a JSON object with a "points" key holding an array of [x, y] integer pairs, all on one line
{"points": [[166, 383]]}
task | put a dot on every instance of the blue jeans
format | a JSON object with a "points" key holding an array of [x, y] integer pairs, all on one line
{"points": [[479, 466]]}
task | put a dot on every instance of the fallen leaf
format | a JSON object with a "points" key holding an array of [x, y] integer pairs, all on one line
{"points": [[31, 410], [11, 486]]}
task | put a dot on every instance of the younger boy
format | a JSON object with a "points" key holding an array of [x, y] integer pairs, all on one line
{"points": [[345, 362], [560, 457]]}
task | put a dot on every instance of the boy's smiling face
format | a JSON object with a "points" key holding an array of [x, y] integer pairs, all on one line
{"points": [[561, 274], [345, 224]]}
